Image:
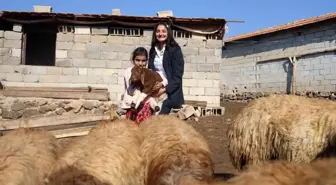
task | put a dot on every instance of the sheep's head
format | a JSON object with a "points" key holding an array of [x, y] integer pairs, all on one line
{"points": [[137, 76]]}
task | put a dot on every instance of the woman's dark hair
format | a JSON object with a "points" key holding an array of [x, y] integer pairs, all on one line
{"points": [[139, 51], [170, 38]]}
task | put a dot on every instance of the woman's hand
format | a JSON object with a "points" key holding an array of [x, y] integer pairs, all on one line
{"points": [[159, 93], [157, 86]]}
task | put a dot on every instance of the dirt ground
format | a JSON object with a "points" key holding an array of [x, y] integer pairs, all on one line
{"points": [[214, 129]]}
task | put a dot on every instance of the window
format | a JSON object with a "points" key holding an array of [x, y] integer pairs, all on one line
{"points": [[131, 32]]}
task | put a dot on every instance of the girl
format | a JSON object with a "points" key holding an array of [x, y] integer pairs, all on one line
{"points": [[166, 58], [139, 58]]}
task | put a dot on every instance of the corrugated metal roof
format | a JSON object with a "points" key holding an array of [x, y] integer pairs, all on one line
{"points": [[283, 27], [28, 15]]}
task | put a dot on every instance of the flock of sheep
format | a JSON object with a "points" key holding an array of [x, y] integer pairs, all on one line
{"points": [[164, 150]]}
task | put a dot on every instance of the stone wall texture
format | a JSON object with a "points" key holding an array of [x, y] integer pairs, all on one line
{"points": [[92, 57], [252, 66]]}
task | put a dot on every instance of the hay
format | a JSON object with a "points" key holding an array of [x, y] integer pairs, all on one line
{"points": [[283, 127]]}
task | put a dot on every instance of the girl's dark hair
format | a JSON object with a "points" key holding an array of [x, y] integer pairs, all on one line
{"points": [[170, 39], [139, 51]]}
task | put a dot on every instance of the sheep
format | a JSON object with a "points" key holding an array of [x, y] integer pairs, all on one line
{"points": [[174, 152], [108, 155], [282, 127], [286, 173], [26, 155], [146, 79]]}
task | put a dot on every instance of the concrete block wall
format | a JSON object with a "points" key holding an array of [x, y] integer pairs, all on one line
{"points": [[10, 47], [251, 66], [90, 56]]}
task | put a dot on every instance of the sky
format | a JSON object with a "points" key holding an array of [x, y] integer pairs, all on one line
{"points": [[257, 14]]}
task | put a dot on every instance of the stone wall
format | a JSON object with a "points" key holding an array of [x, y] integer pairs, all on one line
{"points": [[90, 56], [16, 108], [254, 66]]}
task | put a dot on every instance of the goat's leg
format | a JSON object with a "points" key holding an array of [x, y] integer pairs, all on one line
{"points": [[141, 98], [154, 104]]}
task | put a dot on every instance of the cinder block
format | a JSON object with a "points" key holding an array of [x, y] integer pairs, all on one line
{"points": [[114, 64], [109, 72], [190, 83], [196, 91], [204, 83], [11, 35], [63, 63], [38, 70], [82, 38], [116, 88], [82, 30], [99, 30], [213, 59], [212, 91], [13, 44], [213, 76], [5, 51], [121, 80], [2, 41], [116, 12], [186, 90], [94, 79], [54, 70], [38, 8], [64, 45], [124, 56], [117, 47], [115, 39], [206, 52], [76, 54], [8, 60], [199, 75], [97, 63], [166, 13], [65, 37], [126, 64], [61, 54], [95, 71], [49, 78], [14, 77], [69, 71], [208, 99], [79, 46], [214, 44], [2, 33], [108, 55], [84, 62], [93, 47], [205, 67], [187, 75], [196, 42], [190, 67], [78, 79], [92, 54], [189, 50], [148, 33], [111, 80], [15, 53], [31, 78], [98, 39], [197, 59], [131, 40], [82, 71]]}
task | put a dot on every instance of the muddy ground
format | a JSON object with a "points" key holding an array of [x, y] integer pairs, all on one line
{"points": [[214, 129]]}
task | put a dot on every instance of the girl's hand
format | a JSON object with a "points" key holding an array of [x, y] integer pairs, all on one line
{"points": [[157, 86], [159, 93]]}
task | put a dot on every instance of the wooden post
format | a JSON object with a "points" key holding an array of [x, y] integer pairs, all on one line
{"points": [[293, 62]]}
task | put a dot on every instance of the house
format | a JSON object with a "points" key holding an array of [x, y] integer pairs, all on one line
{"points": [[260, 61], [48, 49]]}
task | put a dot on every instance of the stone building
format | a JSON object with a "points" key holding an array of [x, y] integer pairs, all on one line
{"points": [[47, 49], [259, 61]]}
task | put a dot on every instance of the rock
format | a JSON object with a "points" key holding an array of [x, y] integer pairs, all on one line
{"points": [[75, 105], [63, 103], [44, 109], [41, 102], [88, 105], [10, 114], [0, 111], [99, 110], [31, 104], [97, 104], [52, 107], [29, 112], [59, 111], [51, 114], [18, 106]]}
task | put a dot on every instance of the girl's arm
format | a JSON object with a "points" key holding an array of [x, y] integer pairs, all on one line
{"points": [[177, 63]]}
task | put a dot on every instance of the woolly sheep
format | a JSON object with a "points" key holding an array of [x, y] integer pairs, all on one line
{"points": [[174, 152], [26, 156], [108, 155], [283, 127]]}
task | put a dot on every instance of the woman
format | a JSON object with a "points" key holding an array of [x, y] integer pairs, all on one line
{"points": [[166, 58], [139, 58]]}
